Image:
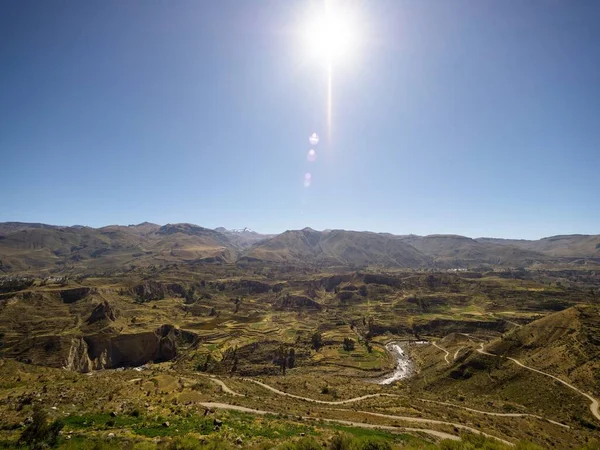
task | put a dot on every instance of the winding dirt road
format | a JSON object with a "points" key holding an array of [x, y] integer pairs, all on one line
{"points": [[432, 422], [228, 390], [489, 413], [444, 350], [435, 433], [225, 388], [312, 400], [594, 405], [356, 399]]}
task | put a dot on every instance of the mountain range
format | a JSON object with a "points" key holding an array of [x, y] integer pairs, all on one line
{"points": [[27, 247]]}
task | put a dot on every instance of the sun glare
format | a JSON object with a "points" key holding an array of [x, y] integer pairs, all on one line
{"points": [[330, 34]]}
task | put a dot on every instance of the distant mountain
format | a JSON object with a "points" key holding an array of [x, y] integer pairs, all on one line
{"points": [[11, 227], [573, 245], [452, 251], [112, 247], [337, 247], [42, 248], [245, 237]]}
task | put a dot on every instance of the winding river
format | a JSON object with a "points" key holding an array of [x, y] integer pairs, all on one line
{"points": [[404, 365]]}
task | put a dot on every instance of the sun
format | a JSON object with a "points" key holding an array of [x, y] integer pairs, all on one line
{"points": [[331, 33]]}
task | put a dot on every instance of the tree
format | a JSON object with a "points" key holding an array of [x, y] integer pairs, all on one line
{"points": [[235, 360], [368, 344], [206, 362], [348, 344], [292, 358], [317, 341], [282, 359], [370, 324], [189, 295], [39, 433]]}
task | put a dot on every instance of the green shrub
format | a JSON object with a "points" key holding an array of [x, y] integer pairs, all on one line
{"points": [[341, 442], [348, 344], [39, 433], [372, 443]]}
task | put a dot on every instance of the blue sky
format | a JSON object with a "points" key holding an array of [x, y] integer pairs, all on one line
{"points": [[474, 117]]}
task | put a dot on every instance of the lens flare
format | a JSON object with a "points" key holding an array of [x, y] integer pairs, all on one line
{"points": [[307, 179], [313, 139], [331, 34], [311, 156]]}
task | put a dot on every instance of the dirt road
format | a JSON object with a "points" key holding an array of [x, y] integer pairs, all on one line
{"points": [[594, 403], [312, 400], [489, 413], [446, 353], [435, 433]]}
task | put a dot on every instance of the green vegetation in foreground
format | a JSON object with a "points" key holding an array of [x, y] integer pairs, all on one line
{"points": [[339, 441], [236, 430]]}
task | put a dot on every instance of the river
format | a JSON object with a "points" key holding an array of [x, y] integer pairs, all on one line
{"points": [[404, 365]]}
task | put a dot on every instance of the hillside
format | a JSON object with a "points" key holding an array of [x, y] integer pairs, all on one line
{"points": [[56, 249], [570, 246], [76, 249], [566, 343], [461, 251], [337, 247]]}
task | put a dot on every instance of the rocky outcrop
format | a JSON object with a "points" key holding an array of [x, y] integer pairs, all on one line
{"points": [[152, 290], [78, 359], [149, 290], [99, 351], [75, 294], [103, 312], [130, 350]]}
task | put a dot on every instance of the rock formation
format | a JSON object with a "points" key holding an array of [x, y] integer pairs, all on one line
{"points": [[103, 311]]}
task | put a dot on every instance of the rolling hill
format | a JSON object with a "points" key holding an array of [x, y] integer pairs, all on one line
{"points": [[54, 249], [338, 247], [453, 251]]}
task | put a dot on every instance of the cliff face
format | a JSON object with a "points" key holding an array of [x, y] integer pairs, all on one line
{"points": [[78, 359], [152, 290], [94, 352], [137, 349], [75, 294]]}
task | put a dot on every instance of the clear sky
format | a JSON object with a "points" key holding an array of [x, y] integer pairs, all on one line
{"points": [[474, 117]]}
